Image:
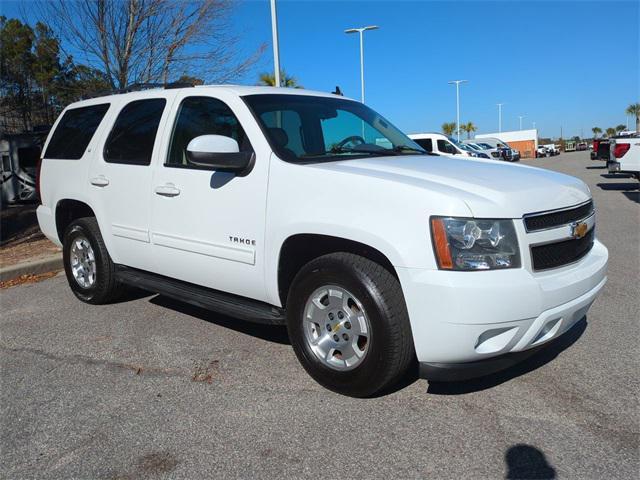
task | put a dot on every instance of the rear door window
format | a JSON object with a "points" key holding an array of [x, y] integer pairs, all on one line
{"points": [[74, 132], [134, 132]]}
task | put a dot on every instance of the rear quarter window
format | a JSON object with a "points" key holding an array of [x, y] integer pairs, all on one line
{"points": [[74, 132]]}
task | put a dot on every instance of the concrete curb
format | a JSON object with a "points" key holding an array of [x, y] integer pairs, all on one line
{"points": [[33, 267]]}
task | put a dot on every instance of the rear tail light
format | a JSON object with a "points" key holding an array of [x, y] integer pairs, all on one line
{"points": [[620, 149], [38, 170]]}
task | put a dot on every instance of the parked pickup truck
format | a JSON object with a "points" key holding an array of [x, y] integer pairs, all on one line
{"points": [[600, 149], [625, 156], [310, 210]]}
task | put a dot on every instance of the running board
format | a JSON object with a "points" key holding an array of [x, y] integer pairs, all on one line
{"points": [[207, 298]]}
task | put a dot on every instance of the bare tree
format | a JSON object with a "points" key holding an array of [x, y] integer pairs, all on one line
{"points": [[151, 40]]}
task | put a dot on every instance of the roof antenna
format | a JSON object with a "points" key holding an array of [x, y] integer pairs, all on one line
{"points": [[338, 91]]}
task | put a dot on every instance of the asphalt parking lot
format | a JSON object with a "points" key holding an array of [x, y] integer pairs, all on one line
{"points": [[150, 388]]}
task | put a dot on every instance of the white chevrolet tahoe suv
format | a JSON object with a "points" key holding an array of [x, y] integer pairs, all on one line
{"points": [[311, 210]]}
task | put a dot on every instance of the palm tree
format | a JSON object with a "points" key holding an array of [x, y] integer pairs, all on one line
{"points": [[448, 128], [620, 128], [269, 79], [469, 128], [596, 131], [611, 132], [634, 109]]}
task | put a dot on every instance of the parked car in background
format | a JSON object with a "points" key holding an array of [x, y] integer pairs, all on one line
{"points": [[505, 151], [582, 146], [491, 152], [552, 149], [542, 151], [19, 155], [441, 144], [624, 156], [476, 149], [281, 206]]}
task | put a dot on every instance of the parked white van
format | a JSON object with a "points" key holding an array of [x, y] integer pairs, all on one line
{"points": [[440, 144], [282, 206]]}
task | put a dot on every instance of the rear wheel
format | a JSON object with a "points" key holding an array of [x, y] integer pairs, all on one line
{"points": [[348, 324], [87, 264]]}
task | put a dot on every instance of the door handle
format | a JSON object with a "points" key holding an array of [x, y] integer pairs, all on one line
{"points": [[168, 190], [99, 181]]}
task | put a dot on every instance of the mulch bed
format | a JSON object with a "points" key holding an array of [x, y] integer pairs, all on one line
{"points": [[20, 237]]}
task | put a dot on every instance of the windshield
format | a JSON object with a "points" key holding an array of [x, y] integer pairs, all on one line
{"points": [[485, 146], [460, 145], [304, 129]]}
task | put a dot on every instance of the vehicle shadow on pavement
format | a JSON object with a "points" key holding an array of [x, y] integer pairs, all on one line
{"points": [[527, 462], [629, 190], [537, 360], [271, 333], [627, 186], [596, 167]]}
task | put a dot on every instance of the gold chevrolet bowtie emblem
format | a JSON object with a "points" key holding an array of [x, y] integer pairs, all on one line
{"points": [[579, 229]]}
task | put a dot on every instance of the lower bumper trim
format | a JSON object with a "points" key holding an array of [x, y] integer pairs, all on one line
{"points": [[456, 372]]}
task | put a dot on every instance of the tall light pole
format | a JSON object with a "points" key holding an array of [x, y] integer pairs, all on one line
{"points": [[500, 116], [521, 117], [457, 82], [361, 30], [276, 48]]}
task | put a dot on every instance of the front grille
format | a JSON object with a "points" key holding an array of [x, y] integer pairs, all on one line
{"points": [[543, 221], [552, 255]]}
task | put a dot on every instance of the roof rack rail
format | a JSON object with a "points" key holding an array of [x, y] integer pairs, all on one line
{"points": [[138, 87]]}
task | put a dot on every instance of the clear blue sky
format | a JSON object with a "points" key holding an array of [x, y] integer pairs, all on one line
{"points": [[574, 64]]}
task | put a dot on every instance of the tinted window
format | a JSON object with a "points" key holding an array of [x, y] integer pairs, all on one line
{"points": [[203, 116], [74, 132], [425, 143], [134, 133]]}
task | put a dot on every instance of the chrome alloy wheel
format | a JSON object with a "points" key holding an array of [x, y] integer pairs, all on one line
{"points": [[83, 262], [336, 327]]}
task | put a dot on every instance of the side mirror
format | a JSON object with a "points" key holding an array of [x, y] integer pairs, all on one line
{"points": [[220, 153]]}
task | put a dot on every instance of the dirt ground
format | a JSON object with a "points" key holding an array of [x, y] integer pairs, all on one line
{"points": [[20, 237]]}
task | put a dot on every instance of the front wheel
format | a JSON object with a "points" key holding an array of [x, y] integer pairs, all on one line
{"points": [[348, 324]]}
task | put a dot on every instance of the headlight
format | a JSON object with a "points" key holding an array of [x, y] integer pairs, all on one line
{"points": [[474, 244]]}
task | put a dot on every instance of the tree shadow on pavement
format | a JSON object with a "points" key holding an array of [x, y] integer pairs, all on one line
{"points": [[545, 355], [527, 462], [271, 333]]}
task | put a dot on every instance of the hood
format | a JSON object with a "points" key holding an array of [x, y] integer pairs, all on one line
{"points": [[490, 188]]}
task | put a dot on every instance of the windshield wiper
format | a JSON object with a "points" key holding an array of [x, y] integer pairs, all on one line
{"points": [[371, 151], [339, 150], [400, 148]]}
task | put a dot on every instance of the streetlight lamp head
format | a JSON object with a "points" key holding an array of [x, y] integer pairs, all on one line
{"points": [[351, 30], [371, 27]]}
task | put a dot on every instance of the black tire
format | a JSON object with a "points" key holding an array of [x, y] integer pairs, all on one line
{"points": [[391, 350], [106, 288]]}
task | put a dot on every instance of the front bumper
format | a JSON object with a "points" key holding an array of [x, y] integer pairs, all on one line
{"points": [[467, 317]]}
